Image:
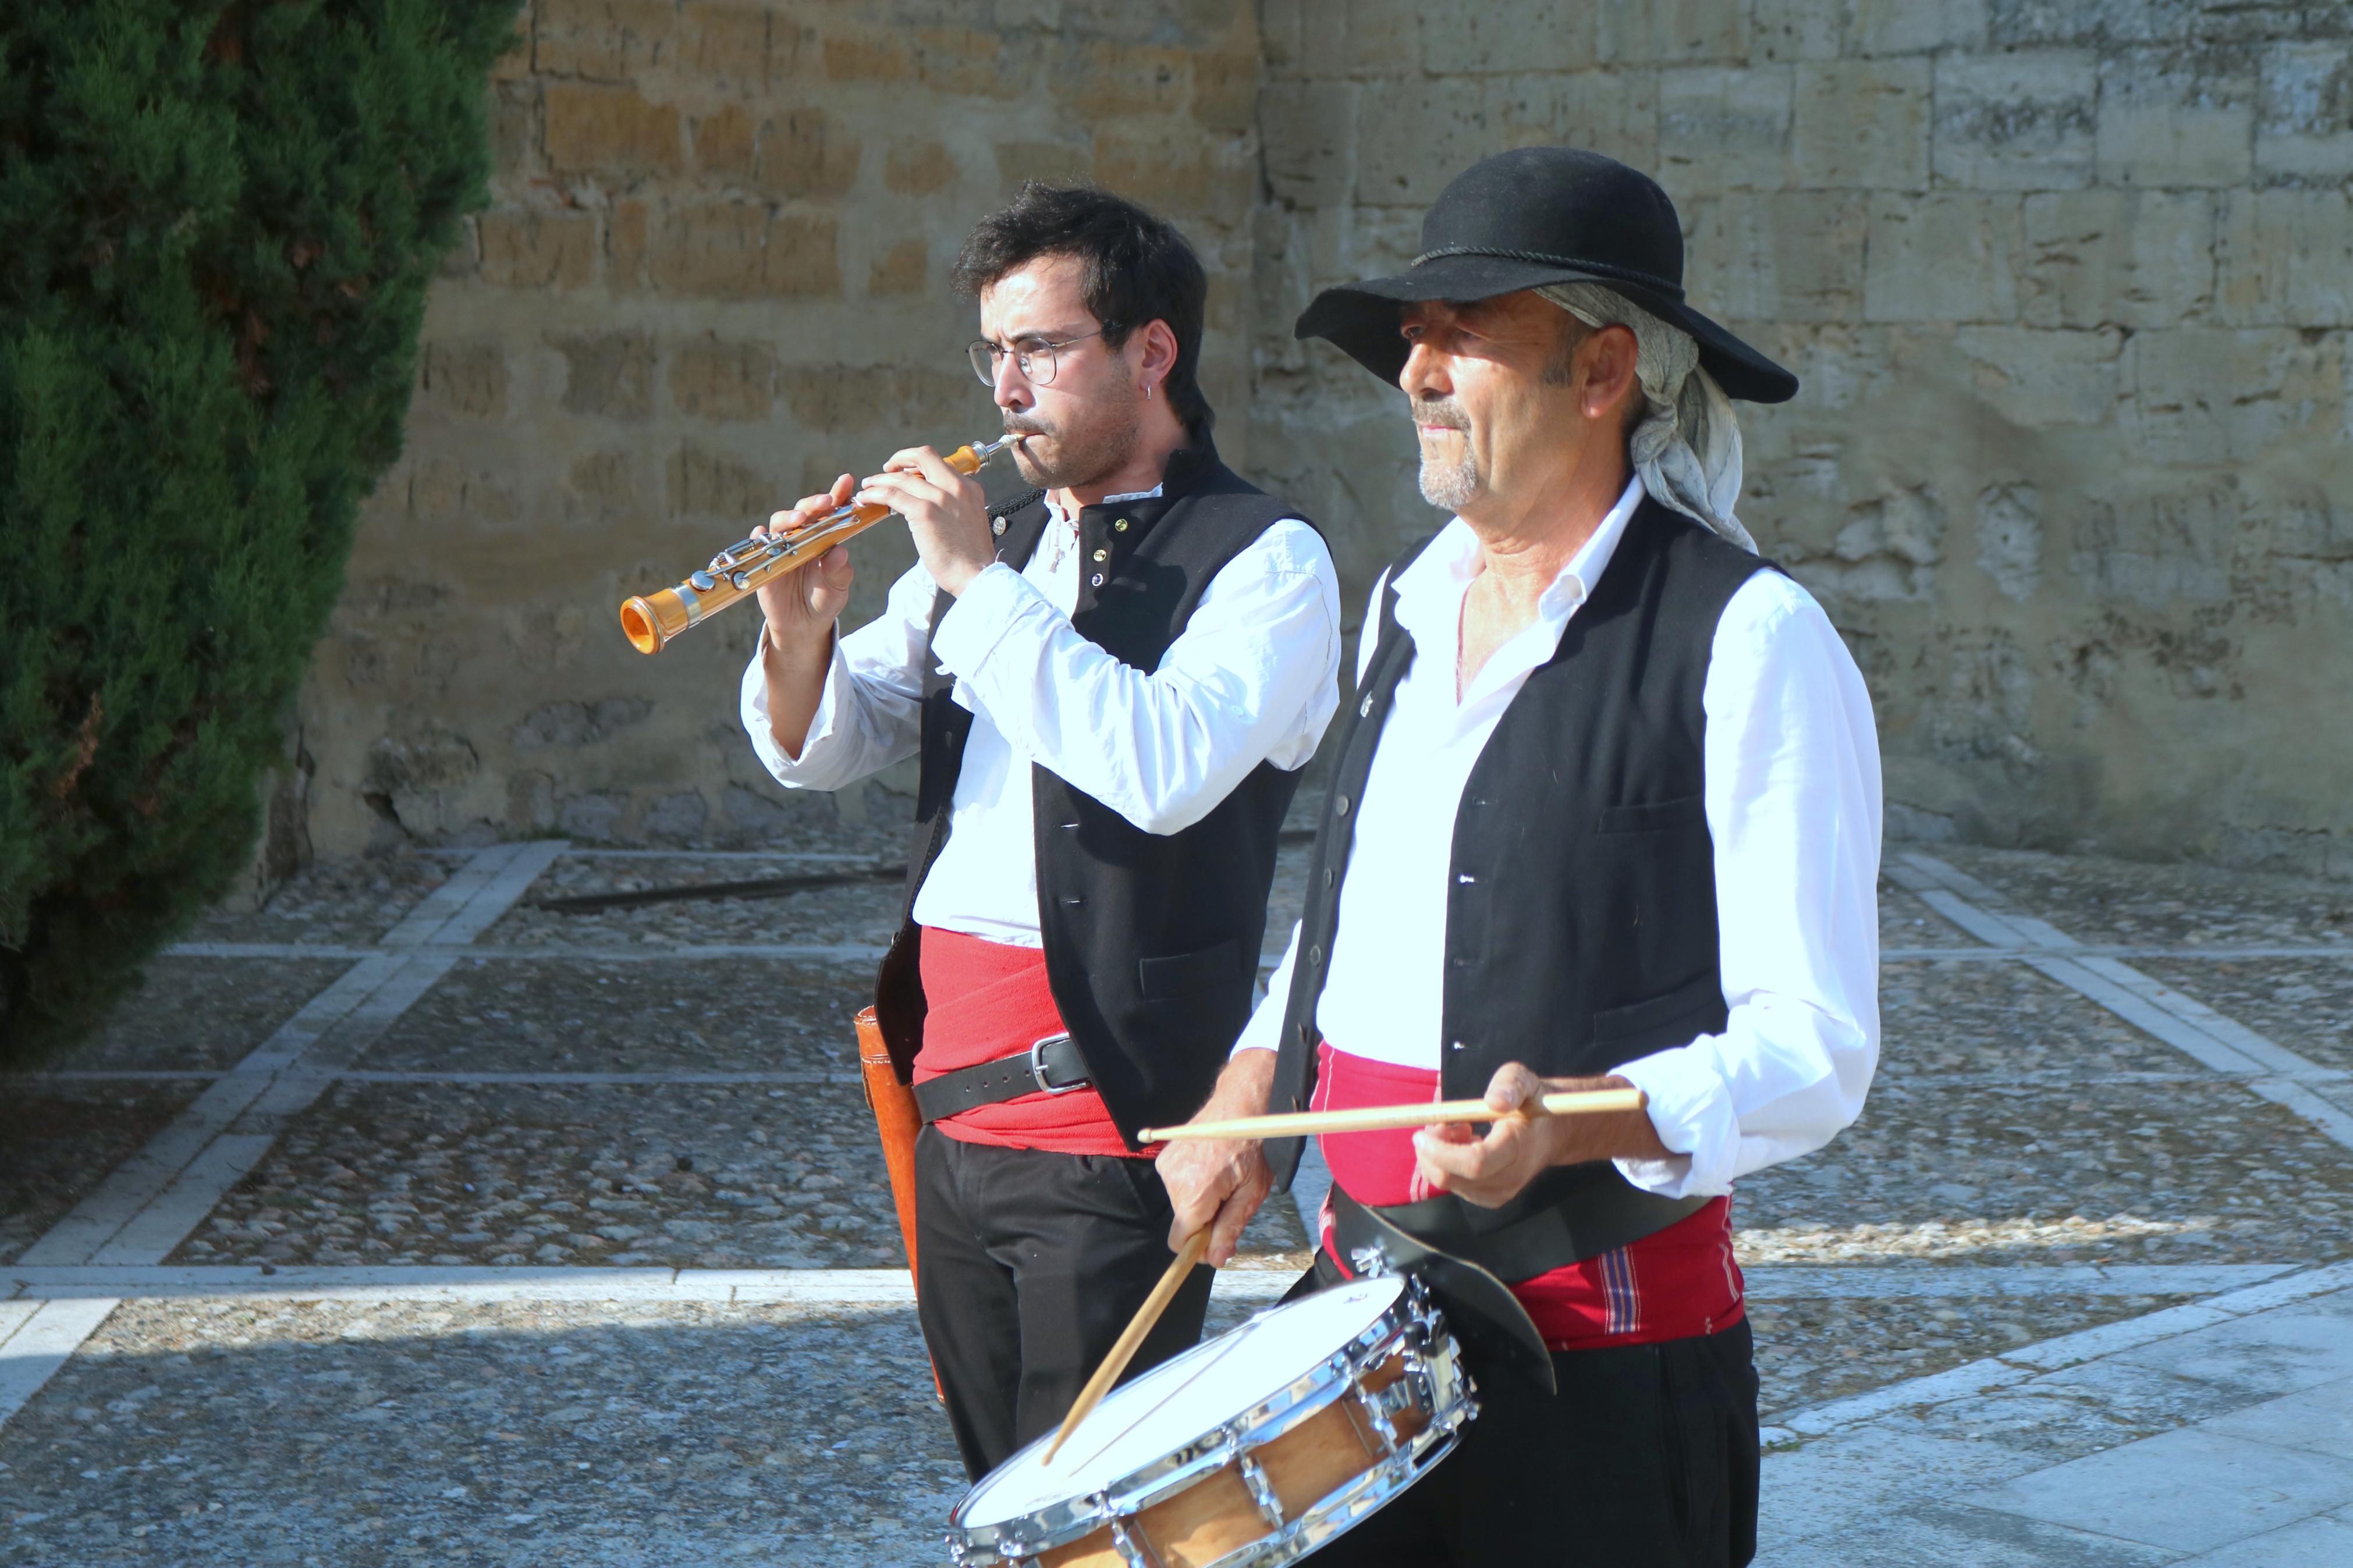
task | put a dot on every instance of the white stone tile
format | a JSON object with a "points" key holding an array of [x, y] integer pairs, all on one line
{"points": [[2321, 1542], [1839, 1484], [2319, 1419], [1951, 1535], [2189, 1490], [2275, 1353]]}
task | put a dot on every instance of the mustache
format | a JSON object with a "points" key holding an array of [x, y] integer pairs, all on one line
{"points": [[1026, 427], [1442, 411]]}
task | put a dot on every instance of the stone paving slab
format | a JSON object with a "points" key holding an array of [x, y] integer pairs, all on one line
{"points": [[2305, 1004], [587, 1017], [2191, 1490], [2220, 1427], [2100, 900], [57, 1140]]}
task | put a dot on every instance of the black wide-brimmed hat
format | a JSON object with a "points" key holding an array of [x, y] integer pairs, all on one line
{"points": [[1538, 216]]}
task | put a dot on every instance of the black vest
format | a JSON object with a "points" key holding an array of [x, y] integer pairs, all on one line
{"points": [[1580, 917], [1152, 940]]}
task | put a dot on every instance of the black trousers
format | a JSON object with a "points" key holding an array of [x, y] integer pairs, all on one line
{"points": [[1646, 1459], [1027, 1265]]}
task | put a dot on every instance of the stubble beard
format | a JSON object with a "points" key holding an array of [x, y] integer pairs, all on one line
{"points": [[1064, 458], [1448, 483]]}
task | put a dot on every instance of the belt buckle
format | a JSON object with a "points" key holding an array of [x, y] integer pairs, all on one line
{"points": [[1037, 1067]]}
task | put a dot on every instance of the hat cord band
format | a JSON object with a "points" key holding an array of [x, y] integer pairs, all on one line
{"points": [[1598, 268]]}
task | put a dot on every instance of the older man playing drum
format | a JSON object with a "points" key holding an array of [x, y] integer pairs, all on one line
{"points": [[1607, 814]]}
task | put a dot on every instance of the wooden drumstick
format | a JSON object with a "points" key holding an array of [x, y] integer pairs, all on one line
{"points": [[1123, 1350], [1386, 1118]]}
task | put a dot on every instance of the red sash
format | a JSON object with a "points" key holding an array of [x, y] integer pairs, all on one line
{"points": [[1670, 1284], [986, 1000]]}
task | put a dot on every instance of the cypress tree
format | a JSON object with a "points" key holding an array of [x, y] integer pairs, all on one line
{"points": [[218, 226]]}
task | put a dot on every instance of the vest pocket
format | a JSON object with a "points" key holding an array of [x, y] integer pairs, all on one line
{"points": [[1687, 1003], [1187, 974], [1651, 815]]}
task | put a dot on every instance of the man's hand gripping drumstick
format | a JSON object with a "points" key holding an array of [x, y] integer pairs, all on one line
{"points": [[1536, 1123]]}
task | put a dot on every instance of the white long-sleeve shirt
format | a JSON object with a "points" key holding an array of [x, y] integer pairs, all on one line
{"points": [[1792, 797], [1254, 677]]}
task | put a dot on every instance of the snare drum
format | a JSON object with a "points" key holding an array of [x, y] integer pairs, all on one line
{"points": [[1253, 1449]]}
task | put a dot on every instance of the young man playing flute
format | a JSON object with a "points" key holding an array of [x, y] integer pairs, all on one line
{"points": [[1112, 683], [1607, 814]]}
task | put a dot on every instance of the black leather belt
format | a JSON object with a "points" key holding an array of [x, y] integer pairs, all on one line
{"points": [[1052, 1065]]}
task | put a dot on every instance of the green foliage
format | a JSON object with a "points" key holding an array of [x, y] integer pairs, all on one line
{"points": [[220, 223]]}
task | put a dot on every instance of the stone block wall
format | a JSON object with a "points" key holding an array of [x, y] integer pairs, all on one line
{"points": [[2068, 285], [713, 277]]}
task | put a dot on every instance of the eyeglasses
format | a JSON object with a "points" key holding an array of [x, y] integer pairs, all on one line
{"points": [[1034, 357]]}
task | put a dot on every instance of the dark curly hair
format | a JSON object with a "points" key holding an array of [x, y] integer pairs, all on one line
{"points": [[1136, 269]]}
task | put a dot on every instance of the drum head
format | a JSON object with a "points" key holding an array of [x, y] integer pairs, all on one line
{"points": [[1180, 1400]]}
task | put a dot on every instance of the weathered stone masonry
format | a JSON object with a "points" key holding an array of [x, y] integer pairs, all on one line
{"points": [[2069, 286]]}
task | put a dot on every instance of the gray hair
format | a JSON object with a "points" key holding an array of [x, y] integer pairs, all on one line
{"points": [[1686, 446]]}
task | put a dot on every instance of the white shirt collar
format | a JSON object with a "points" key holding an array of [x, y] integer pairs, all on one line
{"points": [[1430, 592]]}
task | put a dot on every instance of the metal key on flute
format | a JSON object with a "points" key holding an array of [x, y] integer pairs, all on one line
{"points": [[650, 620]]}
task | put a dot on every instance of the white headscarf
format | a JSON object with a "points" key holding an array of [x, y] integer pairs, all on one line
{"points": [[1687, 447]]}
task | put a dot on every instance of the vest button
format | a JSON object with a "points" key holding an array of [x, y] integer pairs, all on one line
{"points": [[1120, 527], [1095, 581], [1102, 554], [1453, 1044], [1340, 806], [1327, 877], [1316, 958], [997, 526], [1365, 709]]}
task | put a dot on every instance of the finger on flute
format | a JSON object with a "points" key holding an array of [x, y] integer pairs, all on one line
{"points": [[1386, 1117]]}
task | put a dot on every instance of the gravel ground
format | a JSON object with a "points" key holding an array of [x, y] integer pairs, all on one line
{"points": [[863, 914], [346, 902], [2101, 1171], [1942, 1015], [215, 1432], [750, 1014], [2303, 1004], [201, 1013], [1812, 1351], [2100, 900], [687, 1176], [716, 1176], [278, 1433], [60, 1139]]}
